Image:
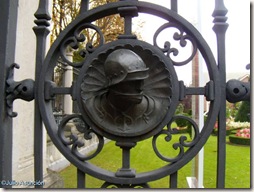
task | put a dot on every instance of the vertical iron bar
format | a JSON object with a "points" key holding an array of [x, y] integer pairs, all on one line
{"points": [[84, 6], [128, 25], [174, 5], [173, 180], [128, 13], [220, 27], [126, 171], [81, 179], [41, 31], [8, 20], [173, 176], [126, 158]]}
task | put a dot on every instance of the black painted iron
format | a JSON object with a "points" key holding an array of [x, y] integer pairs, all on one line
{"points": [[119, 91], [8, 20], [17, 90], [237, 91], [220, 28], [41, 31], [127, 91], [108, 74]]}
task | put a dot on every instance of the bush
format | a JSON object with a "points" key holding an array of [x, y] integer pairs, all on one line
{"points": [[180, 111], [239, 140], [184, 126], [182, 122], [243, 112]]}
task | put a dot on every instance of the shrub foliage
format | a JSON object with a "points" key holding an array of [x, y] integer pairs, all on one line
{"points": [[243, 114]]}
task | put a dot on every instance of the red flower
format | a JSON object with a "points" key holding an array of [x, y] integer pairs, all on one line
{"points": [[245, 133]]}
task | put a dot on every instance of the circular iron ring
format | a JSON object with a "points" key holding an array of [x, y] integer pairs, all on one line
{"points": [[50, 62]]}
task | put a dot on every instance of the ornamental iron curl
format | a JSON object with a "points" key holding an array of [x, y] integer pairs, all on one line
{"points": [[73, 43], [131, 186], [159, 89], [17, 90], [74, 139], [169, 132], [180, 36]]}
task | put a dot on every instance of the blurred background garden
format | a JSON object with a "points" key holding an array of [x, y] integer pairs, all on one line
{"points": [[238, 160]]}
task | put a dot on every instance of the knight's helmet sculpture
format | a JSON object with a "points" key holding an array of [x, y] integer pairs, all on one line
{"points": [[128, 90]]}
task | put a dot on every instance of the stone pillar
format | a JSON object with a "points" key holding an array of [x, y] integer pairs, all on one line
{"points": [[68, 78], [197, 115]]}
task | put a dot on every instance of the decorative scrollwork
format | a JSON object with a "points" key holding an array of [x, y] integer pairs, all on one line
{"points": [[182, 37], [159, 62], [169, 132], [73, 42], [74, 137], [112, 185], [17, 90]]}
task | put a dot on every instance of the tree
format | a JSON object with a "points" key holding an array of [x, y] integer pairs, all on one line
{"points": [[64, 12], [243, 114]]}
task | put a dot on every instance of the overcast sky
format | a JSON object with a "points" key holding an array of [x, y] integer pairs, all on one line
{"points": [[237, 35]]}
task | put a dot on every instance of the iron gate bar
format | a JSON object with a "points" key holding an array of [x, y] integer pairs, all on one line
{"points": [[233, 91], [84, 6], [220, 28], [81, 176], [41, 31], [81, 179], [174, 5], [8, 20], [51, 93], [173, 180]]}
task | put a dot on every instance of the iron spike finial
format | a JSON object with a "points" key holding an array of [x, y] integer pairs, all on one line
{"points": [[220, 18], [42, 11]]}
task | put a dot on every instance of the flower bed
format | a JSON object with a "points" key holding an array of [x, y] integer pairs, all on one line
{"points": [[232, 127], [241, 137]]}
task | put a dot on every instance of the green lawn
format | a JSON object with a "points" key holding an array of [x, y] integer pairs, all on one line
{"points": [[143, 159]]}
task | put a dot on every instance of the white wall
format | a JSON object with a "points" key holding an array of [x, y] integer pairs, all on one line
{"points": [[23, 124]]}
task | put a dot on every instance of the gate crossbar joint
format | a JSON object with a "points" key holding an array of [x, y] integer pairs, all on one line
{"points": [[237, 91], [17, 90]]}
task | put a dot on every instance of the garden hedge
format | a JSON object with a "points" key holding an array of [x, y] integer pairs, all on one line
{"points": [[239, 140]]}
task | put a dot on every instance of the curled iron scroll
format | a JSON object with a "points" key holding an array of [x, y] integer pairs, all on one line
{"points": [[182, 139], [79, 37], [71, 38], [182, 37], [74, 141], [112, 185]]}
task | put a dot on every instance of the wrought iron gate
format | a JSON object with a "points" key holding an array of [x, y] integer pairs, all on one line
{"points": [[138, 75]]}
